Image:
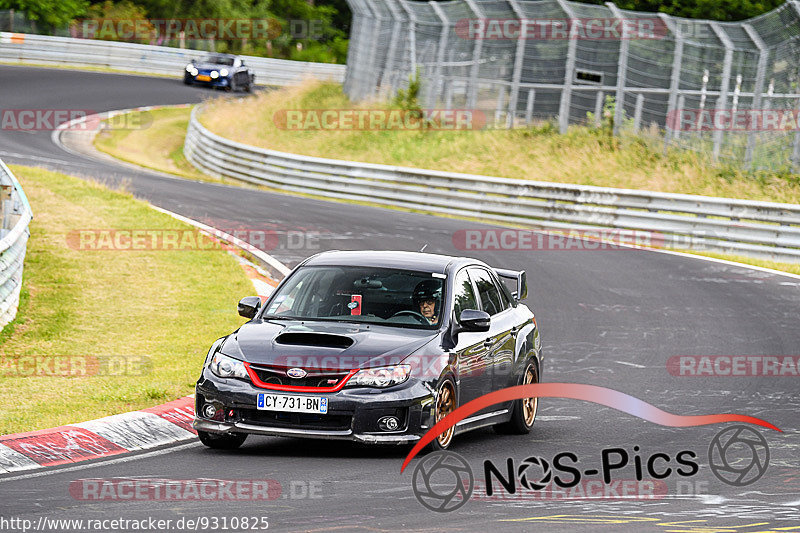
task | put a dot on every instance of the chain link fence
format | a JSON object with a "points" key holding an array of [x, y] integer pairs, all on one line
{"points": [[726, 89]]}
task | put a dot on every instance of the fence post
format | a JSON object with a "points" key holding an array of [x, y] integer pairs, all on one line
{"points": [[388, 71], [477, 51], [622, 69], [569, 71], [518, 63], [637, 113], [675, 79], [796, 142], [758, 88], [529, 107], [681, 105], [722, 100], [598, 108], [440, 53], [370, 67], [412, 36], [355, 48]]}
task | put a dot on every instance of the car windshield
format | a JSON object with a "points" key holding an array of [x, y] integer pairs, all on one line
{"points": [[219, 60], [386, 296]]}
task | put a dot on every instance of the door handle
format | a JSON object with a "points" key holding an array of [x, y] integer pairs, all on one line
{"points": [[514, 331], [488, 343]]}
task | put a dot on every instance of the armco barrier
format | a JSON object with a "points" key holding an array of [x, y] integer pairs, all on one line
{"points": [[760, 229], [17, 214], [147, 59]]}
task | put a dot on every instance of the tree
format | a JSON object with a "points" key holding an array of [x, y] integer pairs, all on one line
{"points": [[50, 13]]}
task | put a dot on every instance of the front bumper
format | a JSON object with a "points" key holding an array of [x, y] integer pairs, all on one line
{"points": [[352, 412], [219, 82]]}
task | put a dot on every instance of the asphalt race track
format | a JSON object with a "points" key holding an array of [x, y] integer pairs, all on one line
{"points": [[611, 318]]}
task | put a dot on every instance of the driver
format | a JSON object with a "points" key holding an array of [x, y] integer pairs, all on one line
{"points": [[428, 299]]}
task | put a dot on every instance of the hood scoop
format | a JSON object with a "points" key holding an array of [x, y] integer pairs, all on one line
{"points": [[321, 340]]}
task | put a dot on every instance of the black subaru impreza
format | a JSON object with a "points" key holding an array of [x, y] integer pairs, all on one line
{"points": [[374, 347]]}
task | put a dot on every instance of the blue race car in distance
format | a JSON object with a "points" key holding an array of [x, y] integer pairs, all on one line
{"points": [[220, 71]]}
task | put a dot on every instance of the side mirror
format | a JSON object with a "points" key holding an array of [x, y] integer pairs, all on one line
{"points": [[249, 306], [474, 320]]}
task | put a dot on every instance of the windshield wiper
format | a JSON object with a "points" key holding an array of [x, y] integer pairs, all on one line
{"points": [[281, 317]]}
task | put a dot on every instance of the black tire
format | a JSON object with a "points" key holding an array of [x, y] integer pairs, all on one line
{"points": [[248, 88], [446, 401], [522, 420], [187, 81], [228, 441]]}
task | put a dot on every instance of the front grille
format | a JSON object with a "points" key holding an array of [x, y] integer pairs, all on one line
{"points": [[322, 379], [295, 420]]}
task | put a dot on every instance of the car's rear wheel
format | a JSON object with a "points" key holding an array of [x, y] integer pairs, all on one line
{"points": [[445, 404], [523, 413], [228, 441]]}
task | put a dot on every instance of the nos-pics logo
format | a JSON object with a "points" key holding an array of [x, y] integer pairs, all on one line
{"points": [[443, 481]]}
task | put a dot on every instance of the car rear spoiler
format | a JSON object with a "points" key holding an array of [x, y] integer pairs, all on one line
{"points": [[520, 277]]}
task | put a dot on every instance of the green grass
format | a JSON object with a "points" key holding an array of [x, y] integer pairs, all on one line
{"points": [[158, 145], [774, 265], [169, 130], [168, 306], [585, 155]]}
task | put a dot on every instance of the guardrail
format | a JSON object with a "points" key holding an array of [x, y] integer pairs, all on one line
{"points": [[148, 59], [760, 229], [16, 214]]}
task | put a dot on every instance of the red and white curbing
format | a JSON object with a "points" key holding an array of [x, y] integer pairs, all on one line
{"points": [[127, 432], [112, 435]]}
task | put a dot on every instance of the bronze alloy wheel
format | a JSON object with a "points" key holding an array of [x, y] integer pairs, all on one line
{"points": [[529, 405], [445, 404]]}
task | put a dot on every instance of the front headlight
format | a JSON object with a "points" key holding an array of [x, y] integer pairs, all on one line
{"points": [[382, 377], [223, 72], [227, 367], [215, 74], [189, 67]]}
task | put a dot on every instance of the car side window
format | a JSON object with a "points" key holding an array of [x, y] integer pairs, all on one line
{"points": [[491, 301], [464, 294]]}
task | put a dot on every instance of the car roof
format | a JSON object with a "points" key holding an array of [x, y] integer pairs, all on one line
{"points": [[390, 259]]}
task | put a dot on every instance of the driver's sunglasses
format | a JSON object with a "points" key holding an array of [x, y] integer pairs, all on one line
{"points": [[428, 302]]}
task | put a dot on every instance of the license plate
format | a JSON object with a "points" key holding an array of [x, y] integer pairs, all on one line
{"points": [[203, 77], [292, 404]]}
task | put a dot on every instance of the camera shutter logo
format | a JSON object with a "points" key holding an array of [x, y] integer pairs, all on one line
{"points": [[528, 466], [443, 481], [738, 456]]}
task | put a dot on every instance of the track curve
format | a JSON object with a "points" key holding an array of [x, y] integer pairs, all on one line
{"points": [[611, 318]]}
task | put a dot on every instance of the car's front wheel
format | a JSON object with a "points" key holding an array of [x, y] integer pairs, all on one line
{"points": [[523, 413], [445, 404], [228, 441]]}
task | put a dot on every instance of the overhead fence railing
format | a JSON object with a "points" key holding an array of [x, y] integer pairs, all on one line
{"points": [[16, 214], [530, 60], [148, 59], [758, 229]]}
